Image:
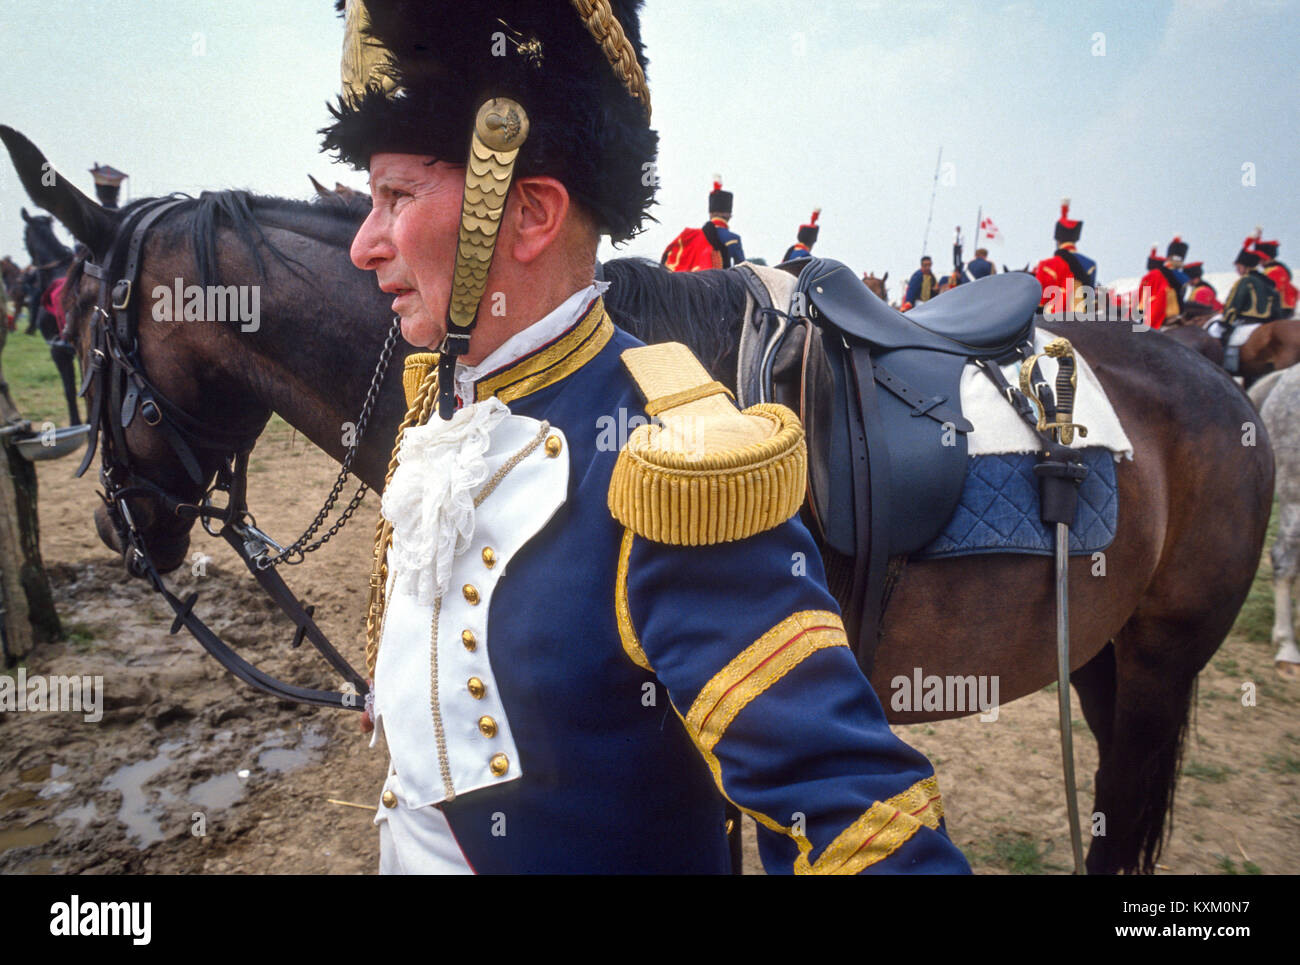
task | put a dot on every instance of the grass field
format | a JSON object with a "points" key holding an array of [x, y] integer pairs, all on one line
{"points": [[33, 380]]}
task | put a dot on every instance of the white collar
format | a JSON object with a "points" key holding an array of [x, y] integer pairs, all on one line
{"points": [[529, 340]]}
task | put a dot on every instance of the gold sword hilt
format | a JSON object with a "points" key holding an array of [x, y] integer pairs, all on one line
{"points": [[1066, 382]]}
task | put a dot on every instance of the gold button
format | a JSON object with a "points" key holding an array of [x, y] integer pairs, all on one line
{"points": [[467, 638], [499, 764], [488, 726], [471, 594], [476, 688], [731, 825], [489, 557], [553, 446], [389, 799]]}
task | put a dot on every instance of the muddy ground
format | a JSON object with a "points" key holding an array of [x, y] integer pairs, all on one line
{"points": [[191, 772]]}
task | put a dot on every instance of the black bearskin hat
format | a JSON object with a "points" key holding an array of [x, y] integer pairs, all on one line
{"points": [[719, 200], [441, 59], [1193, 270], [808, 232], [1154, 260], [1177, 248], [1067, 230]]}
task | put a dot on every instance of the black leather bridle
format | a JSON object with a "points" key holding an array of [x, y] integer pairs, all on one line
{"points": [[123, 392]]}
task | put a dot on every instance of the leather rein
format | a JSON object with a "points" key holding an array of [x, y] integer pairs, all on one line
{"points": [[122, 391]]}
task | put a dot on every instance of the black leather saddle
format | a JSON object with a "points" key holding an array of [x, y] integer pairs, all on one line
{"points": [[878, 392]]}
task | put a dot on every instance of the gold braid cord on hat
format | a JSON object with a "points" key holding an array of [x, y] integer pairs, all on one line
{"points": [[365, 63], [608, 32]]}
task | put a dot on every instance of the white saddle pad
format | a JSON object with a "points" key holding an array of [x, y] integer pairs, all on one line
{"points": [[1239, 334], [999, 429]]}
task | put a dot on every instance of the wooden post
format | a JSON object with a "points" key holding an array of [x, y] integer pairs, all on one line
{"points": [[28, 616]]}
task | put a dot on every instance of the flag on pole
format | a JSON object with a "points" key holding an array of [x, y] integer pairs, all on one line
{"points": [[990, 231]]}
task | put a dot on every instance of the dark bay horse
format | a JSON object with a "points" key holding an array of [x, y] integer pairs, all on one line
{"points": [[1194, 502]]}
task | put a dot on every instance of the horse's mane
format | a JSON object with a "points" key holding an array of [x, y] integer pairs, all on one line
{"points": [[703, 309], [332, 221]]}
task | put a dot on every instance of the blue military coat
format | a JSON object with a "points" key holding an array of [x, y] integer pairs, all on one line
{"points": [[643, 682]]}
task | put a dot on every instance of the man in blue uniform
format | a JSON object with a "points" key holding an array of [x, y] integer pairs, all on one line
{"points": [[807, 237], [581, 653], [922, 286], [1174, 255], [980, 266]]}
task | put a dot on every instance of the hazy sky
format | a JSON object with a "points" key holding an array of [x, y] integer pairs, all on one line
{"points": [[1144, 113]]}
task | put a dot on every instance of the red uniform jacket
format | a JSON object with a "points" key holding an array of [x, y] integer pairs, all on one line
{"points": [[1281, 276], [1158, 298], [691, 251]]}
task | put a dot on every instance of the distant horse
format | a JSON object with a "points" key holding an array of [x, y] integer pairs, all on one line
{"points": [[1271, 347], [11, 278], [1280, 410], [1178, 570], [52, 259], [877, 285]]}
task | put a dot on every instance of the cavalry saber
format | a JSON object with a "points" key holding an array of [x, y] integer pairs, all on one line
{"points": [[1062, 432], [1065, 384], [500, 130]]}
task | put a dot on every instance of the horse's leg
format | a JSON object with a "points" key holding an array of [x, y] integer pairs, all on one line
{"points": [[1286, 557], [1136, 778], [1095, 684], [1186, 613]]}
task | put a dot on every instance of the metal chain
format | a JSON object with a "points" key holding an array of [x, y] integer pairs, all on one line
{"points": [[296, 553]]}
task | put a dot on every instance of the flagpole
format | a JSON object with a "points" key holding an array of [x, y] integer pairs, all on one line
{"points": [[978, 221], [925, 245]]}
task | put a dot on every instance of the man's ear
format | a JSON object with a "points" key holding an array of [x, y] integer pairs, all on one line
{"points": [[541, 208]]}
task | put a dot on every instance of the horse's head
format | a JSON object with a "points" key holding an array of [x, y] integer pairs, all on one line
{"points": [[876, 285], [152, 380], [43, 245]]}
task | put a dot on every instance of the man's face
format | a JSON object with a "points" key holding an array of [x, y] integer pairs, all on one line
{"points": [[925, 264], [409, 239]]}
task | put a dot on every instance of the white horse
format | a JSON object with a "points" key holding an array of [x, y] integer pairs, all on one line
{"points": [[1277, 396]]}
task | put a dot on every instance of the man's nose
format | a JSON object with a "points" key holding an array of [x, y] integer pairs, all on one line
{"points": [[371, 247]]}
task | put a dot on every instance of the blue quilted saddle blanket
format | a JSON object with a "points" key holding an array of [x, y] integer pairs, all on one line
{"points": [[998, 512]]}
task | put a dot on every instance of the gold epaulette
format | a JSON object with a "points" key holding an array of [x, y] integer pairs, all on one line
{"points": [[414, 371], [706, 473]]}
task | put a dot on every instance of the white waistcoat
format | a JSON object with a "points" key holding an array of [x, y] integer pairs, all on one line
{"points": [[460, 741]]}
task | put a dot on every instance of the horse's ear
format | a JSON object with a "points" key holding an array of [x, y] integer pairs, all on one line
{"points": [[26, 216], [88, 222], [884, 278], [321, 190]]}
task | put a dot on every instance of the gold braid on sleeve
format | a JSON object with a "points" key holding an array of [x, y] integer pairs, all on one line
{"points": [[418, 413], [608, 32]]}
